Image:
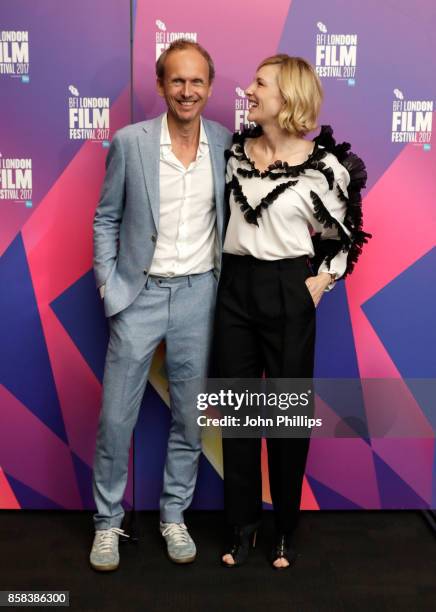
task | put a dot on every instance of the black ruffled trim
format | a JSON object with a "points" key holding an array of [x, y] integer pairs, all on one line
{"points": [[322, 215], [353, 220], [252, 214], [277, 169], [332, 248], [325, 250]]}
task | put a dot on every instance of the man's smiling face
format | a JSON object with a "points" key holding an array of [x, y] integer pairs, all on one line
{"points": [[185, 84]]}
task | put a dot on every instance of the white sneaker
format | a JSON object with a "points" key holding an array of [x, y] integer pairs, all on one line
{"points": [[180, 545], [104, 555]]}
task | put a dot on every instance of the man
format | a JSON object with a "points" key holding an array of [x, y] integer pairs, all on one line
{"points": [[158, 233]]}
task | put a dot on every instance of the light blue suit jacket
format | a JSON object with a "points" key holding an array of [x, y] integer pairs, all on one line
{"points": [[126, 222]]}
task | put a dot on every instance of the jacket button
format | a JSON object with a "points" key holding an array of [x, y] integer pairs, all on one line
{"points": [[145, 271], [153, 238]]}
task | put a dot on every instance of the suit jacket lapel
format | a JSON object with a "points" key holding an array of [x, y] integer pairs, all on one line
{"points": [[149, 151], [216, 150]]}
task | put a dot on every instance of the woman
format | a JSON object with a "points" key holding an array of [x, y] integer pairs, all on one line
{"points": [[290, 200]]}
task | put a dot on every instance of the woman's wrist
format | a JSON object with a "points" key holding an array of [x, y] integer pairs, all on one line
{"points": [[329, 277]]}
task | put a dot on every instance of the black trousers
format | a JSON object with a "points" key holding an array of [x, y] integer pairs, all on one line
{"points": [[264, 324]]}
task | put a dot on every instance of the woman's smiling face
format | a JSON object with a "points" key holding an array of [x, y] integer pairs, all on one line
{"points": [[265, 98]]}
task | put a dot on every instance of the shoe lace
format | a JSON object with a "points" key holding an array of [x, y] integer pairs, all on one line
{"points": [[107, 538], [178, 531]]}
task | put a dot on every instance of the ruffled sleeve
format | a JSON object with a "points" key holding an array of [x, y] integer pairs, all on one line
{"points": [[230, 157], [339, 236]]}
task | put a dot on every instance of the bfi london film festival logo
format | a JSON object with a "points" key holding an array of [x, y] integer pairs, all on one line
{"points": [[336, 55], [412, 120], [88, 118], [165, 38], [16, 179], [241, 111], [14, 54]]}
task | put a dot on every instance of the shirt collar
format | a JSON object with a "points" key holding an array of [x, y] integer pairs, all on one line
{"points": [[165, 139]]}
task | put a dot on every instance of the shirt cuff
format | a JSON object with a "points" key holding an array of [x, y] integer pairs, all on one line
{"points": [[330, 286], [323, 268]]}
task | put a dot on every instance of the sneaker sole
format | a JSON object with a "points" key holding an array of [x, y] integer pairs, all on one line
{"points": [[183, 559], [104, 568]]}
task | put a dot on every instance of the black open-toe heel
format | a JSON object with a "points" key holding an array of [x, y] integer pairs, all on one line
{"points": [[242, 539], [283, 549]]}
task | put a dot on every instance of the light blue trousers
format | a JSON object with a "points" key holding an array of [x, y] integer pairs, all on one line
{"points": [[179, 310]]}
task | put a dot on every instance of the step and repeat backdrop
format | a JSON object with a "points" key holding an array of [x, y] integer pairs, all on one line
{"points": [[71, 74]]}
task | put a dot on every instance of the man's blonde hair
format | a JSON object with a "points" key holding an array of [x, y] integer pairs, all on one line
{"points": [[302, 91], [181, 45]]}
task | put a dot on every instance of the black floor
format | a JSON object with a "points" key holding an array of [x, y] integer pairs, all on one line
{"points": [[351, 561]]}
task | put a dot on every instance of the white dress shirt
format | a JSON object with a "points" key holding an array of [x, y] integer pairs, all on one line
{"points": [[187, 217], [285, 227]]}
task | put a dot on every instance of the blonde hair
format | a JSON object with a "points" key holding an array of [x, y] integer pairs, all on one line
{"points": [[302, 91]]}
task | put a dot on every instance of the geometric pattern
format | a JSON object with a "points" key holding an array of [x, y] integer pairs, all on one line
{"points": [[379, 323]]}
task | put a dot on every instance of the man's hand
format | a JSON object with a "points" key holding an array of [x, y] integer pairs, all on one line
{"points": [[317, 285], [101, 289]]}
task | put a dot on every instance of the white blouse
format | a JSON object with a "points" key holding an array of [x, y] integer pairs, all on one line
{"points": [[275, 213]]}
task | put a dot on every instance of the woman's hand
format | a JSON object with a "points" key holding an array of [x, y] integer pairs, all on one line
{"points": [[317, 285]]}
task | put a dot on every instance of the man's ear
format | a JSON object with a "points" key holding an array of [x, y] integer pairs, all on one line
{"points": [[159, 87], [210, 90]]}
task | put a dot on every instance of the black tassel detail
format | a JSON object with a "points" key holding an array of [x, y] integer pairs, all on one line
{"points": [[353, 220], [328, 174], [292, 171], [325, 250], [323, 216], [341, 194], [278, 169], [252, 214]]}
